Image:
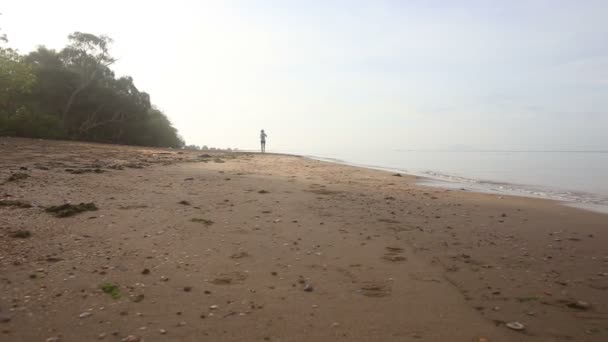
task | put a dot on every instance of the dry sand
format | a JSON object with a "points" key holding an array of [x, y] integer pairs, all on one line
{"points": [[282, 248]]}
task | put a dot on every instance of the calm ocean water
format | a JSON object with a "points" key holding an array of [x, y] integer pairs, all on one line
{"points": [[577, 177]]}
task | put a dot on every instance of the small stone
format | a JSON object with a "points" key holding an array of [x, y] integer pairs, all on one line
{"points": [[187, 288], [85, 314], [163, 278], [52, 339], [579, 304], [162, 331], [213, 307], [181, 324], [308, 287], [516, 326], [145, 271], [101, 336], [131, 338]]}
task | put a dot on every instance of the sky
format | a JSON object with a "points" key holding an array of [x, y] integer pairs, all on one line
{"points": [[329, 75]]}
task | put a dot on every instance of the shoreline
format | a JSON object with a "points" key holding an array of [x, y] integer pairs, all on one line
{"points": [[581, 200], [264, 247]]}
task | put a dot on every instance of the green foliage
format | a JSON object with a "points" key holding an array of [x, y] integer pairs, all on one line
{"points": [[16, 80], [74, 94], [111, 289], [24, 123]]}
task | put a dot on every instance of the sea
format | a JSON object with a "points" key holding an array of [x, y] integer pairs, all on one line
{"points": [[577, 178]]}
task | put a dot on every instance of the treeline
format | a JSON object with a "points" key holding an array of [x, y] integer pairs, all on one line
{"points": [[73, 94]]}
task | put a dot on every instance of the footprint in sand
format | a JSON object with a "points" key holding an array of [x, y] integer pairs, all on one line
{"points": [[393, 254], [375, 289], [229, 278], [239, 255]]}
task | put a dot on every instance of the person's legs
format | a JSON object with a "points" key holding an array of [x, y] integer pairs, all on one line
{"points": [[263, 143]]}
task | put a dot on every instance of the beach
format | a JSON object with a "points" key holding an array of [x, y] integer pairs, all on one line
{"points": [[182, 245]]}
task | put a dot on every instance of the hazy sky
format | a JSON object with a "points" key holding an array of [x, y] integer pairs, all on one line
{"points": [[350, 74]]}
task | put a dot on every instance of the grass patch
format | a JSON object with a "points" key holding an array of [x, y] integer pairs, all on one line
{"points": [[111, 289], [13, 203], [68, 209], [202, 221]]}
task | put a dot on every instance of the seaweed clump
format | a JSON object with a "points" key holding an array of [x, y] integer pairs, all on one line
{"points": [[21, 234], [202, 221], [68, 209], [17, 177], [15, 203]]}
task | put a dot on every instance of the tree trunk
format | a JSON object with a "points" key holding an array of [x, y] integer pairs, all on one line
{"points": [[66, 110]]}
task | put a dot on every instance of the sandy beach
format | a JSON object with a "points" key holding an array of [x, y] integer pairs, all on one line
{"points": [[218, 246]]}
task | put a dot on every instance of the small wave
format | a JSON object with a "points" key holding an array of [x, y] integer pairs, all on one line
{"points": [[515, 189], [434, 178]]}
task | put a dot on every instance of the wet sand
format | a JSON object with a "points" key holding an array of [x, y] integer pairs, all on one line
{"points": [[282, 248]]}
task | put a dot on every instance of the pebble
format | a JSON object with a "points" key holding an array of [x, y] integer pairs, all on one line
{"points": [[52, 339], [308, 287], [131, 338], [213, 307], [579, 304], [516, 326], [101, 336], [85, 314], [162, 331]]}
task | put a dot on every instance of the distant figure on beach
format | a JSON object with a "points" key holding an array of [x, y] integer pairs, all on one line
{"points": [[263, 140]]}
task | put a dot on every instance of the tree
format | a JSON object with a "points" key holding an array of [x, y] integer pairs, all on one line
{"points": [[73, 93], [88, 57], [16, 80]]}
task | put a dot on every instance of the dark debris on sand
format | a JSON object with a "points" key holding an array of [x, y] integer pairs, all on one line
{"points": [[68, 209], [15, 203], [17, 177], [21, 234]]}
